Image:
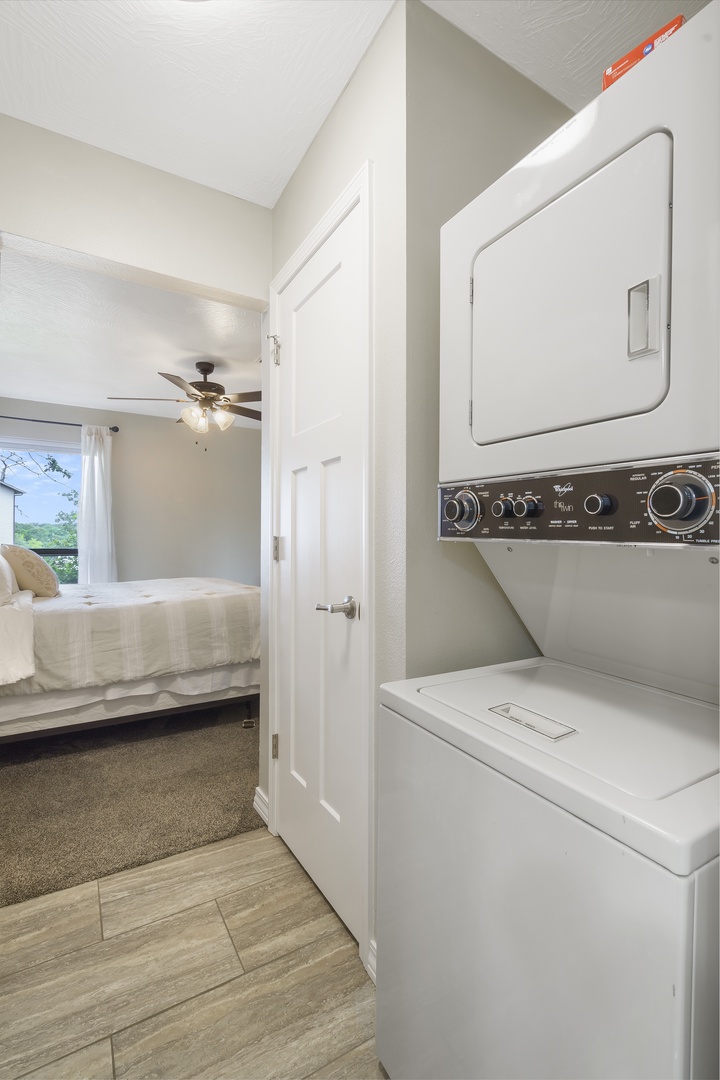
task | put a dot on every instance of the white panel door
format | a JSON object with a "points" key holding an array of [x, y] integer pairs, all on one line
{"points": [[321, 673]]}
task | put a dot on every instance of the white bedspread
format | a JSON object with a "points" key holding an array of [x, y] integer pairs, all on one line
{"points": [[17, 660], [94, 635]]}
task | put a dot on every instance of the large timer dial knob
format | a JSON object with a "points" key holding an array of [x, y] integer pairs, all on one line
{"points": [[681, 501], [674, 500], [463, 510]]}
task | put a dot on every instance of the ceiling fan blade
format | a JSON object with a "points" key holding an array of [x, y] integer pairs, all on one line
{"points": [[145, 399], [252, 395], [239, 411], [183, 384]]}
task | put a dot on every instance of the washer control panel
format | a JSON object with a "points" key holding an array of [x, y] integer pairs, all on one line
{"points": [[650, 503]]}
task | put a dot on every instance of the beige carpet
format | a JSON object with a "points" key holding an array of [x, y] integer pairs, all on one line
{"points": [[78, 806]]}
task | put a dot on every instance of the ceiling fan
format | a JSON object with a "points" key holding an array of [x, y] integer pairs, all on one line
{"points": [[206, 400]]}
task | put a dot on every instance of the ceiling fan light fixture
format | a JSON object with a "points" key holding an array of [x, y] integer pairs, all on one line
{"points": [[195, 418], [223, 419]]}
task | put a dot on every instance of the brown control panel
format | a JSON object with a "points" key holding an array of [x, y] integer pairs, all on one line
{"points": [[650, 503]]}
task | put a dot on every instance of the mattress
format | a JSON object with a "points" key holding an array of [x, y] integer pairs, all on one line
{"points": [[124, 632]]}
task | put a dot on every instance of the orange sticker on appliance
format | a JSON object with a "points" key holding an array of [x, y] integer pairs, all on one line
{"points": [[625, 63]]}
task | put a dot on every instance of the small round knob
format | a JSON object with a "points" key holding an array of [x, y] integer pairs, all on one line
{"points": [[453, 510], [502, 508], [527, 507], [673, 500], [598, 504]]}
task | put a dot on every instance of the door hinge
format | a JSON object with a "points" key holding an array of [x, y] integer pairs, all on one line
{"points": [[472, 290], [276, 549], [275, 347], [470, 414], [275, 746]]}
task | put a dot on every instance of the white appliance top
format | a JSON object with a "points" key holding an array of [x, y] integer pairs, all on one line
{"points": [[639, 763]]}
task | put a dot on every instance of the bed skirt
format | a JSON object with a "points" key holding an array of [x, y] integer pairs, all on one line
{"points": [[104, 704]]}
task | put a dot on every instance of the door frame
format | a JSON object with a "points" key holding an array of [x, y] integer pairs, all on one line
{"points": [[357, 194]]}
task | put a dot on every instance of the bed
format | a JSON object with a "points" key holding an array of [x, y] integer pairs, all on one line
{"points": [[104, 653]]}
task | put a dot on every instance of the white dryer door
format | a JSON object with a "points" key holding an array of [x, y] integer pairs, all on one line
{"points": [[570, 309]]}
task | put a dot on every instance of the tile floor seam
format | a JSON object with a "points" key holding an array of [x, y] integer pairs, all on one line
{"points": [[49, 959], [41, 963], [178, 911], [212, 989], [112, 938], [327, 1064], [169, 915], [55, 1061], [102, 928], [112, 1056], [236, 842], [232, 940], [169, 1008], [299, 948]]}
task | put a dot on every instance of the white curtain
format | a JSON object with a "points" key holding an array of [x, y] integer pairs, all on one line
{"points": [[96, 546]]}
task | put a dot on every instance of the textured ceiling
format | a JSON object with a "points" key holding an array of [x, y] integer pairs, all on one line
{"points": [[562, 45], [76, 337], [229, 93]]}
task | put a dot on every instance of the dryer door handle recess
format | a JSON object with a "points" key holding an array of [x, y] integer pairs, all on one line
{"points": [[644, 318]]}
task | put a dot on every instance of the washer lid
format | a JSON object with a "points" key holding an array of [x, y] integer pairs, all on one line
{"points": [[638, 763], [645, 742]]}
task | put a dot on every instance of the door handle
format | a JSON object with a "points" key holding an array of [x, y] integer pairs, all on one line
{"points": [[348, 608]]}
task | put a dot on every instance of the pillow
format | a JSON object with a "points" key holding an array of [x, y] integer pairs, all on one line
{"points": [[31, 571], [8, 582]]}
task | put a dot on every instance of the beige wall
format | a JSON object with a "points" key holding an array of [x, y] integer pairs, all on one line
{"points": [[470, 118], [178, 510], [65, 193]]}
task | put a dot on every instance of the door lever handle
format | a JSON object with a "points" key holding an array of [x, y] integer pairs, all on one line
{"points": [[348, 608]]}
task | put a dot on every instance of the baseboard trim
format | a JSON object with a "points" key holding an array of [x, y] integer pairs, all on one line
{"points": [[371, 966], [261, 805]]}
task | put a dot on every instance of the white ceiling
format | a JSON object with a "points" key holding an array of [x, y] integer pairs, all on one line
{"points": [[77, 337], [228, 93]]}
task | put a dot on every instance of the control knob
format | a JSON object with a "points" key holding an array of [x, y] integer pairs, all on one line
{"points": [[527, 507], [681, 501], [598, 504], [463, 510], [453, 510], [502, 508], [674, 501]]}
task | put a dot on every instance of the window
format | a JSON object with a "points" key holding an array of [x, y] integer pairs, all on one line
{"points": [[39, 490]]}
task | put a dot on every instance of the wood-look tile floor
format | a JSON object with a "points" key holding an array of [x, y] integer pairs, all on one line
{"points": [[225, 961]]}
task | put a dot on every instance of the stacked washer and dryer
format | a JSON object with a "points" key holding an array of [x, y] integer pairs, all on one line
{"points": [[548, 828]]}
